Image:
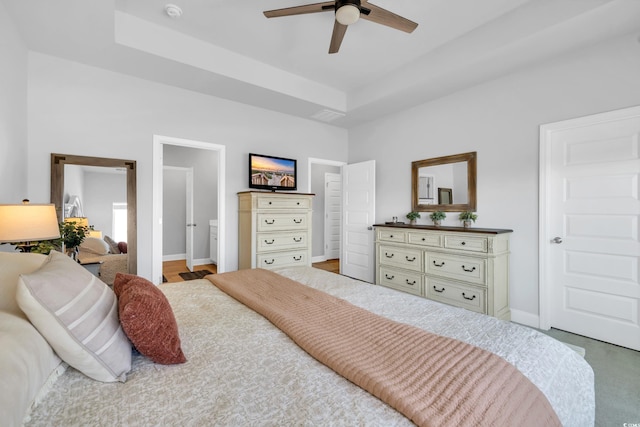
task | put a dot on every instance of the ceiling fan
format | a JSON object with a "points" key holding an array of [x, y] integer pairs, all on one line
{"points": [[348, 12]]}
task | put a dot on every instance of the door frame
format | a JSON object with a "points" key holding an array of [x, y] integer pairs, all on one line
{"points": [[544, 212], [316, 161], [156, 248]]}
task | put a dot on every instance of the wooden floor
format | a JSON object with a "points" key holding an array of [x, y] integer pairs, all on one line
{"points": [[171, 269], [332, 265]]}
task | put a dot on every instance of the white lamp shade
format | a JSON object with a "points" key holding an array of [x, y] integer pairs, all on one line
{"points": [[347, 14], [27, 223]]}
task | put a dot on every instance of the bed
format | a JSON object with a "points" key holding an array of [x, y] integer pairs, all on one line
{"points": [[241, 370]]}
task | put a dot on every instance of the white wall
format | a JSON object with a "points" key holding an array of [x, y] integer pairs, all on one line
{"points": [[500, 120], [77, 109], [13, 114]]}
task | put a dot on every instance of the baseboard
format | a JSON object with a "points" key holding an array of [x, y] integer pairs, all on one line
{"points": [[174, 257], [320, 258], [525, 318], [183, 257]]}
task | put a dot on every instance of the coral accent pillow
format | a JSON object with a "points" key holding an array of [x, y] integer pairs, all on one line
{"points": [[147, 319], [122, 247], [78, 316]]}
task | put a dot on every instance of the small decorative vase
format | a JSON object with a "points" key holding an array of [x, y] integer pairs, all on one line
{"points": [[437, 222], [466, 224], [412, 222]]}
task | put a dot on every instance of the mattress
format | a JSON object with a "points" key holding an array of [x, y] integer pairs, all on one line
{"points": [[241, 370]]}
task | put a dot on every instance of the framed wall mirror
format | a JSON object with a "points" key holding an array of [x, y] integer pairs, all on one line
{"points": [[446, 184], [69, 194]]}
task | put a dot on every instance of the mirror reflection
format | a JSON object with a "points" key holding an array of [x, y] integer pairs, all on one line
{"points": [[444, 183]]}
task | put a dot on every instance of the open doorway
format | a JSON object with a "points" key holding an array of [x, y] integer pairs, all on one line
{"points": [[197, 244], [325, 183]]}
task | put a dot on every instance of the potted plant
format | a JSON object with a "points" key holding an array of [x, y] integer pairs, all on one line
{"points": [[72, 236], [412, 216], [467, 217], [437, 217]]}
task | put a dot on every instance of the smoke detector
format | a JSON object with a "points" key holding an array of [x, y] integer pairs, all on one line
{"points": [[173, 11]]}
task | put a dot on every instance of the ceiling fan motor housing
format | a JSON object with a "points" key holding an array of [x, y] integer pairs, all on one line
{"points": [[347, 11]]}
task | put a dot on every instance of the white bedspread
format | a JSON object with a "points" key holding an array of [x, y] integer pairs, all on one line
{"points": [[243, 371]]}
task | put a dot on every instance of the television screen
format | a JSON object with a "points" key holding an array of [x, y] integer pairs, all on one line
{"points": [[272, 173]]}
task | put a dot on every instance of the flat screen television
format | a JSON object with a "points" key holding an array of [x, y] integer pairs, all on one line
{"points": [[272, 173]]}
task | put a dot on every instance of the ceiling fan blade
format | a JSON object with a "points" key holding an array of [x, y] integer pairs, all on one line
{"points": [[337, 36], [390, 19], [299, 10]]}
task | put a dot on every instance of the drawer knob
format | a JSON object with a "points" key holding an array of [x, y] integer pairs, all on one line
{"points": [[269, 262], [387, 255], [297, 258], [463, 243], [391, 236], [269, 242], [424, 240], [467, 298], [297, 221], [269, 202], [297, 239], [438, 290], [438, 265], [410, 259], [468, 270], [410, 283], [269, 222], [388, 277], [298, 203]]}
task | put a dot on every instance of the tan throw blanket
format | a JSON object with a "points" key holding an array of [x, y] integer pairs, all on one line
{"points": [[432, 380]]}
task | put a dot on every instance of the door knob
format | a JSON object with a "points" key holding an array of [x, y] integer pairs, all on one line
{"points": [[191, 225], [557, 240]]}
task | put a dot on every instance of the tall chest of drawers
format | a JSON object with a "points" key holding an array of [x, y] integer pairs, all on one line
{"points": [[465, 267], [274, 229]]}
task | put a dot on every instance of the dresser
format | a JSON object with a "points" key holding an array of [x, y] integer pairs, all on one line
{"points": [[274, 229], [465, 267]]}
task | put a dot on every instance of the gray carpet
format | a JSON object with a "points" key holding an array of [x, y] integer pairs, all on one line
{"points": [[617, 379]]}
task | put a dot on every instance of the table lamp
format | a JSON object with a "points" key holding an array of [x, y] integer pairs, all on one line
{"points": [[26, 223]]}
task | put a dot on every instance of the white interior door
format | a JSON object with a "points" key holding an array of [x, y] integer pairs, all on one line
{"points": [[190, 226], [358, 214], [590, 232], [332, 213]]}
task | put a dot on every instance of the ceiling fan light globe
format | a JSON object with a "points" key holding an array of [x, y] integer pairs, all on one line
{"points": [[347, 14]]}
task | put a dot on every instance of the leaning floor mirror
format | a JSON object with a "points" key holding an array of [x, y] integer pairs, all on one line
{"points": [[70, 194]]}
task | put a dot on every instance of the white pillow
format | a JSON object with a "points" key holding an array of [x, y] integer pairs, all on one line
{"points": [[94, 245], [78, 315], [28, 367], [12, 265]]}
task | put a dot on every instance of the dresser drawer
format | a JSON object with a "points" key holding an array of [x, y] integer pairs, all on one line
{"points": [[463, 243], [386, 235], [282, 221], [401, 280], [425, 239], [265, 202], [281, 259], [457, 294], [459, 267], [410, 259], [266, 242]]}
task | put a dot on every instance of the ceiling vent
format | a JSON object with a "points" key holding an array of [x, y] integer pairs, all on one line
{"points": [[327, 116]]}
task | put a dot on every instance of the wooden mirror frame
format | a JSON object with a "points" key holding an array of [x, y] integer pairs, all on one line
{"points": [[57, 193], [470, 159]]}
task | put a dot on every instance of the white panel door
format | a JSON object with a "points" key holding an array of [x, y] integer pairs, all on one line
{"points": [[332, 213], [358, 214], [592, 234], [190, 224]]}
